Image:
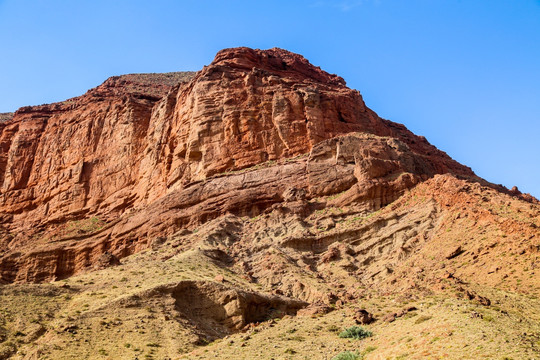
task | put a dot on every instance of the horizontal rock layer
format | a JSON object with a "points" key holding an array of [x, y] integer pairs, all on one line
{"points": [[145, 155]]}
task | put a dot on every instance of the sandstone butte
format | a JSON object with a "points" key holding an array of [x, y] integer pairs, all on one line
{"points": [[158, 213], [151, 154]]}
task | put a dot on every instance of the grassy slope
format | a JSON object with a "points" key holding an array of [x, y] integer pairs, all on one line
{"points": [[106, 314]]}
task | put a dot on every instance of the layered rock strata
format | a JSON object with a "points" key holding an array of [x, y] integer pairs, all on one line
{"points": [[145, 155]]}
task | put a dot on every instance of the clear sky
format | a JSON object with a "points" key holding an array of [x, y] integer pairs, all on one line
{"points": [[463, 73]]}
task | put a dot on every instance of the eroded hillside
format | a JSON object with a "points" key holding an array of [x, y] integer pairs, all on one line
{"points": [[253, 210]]}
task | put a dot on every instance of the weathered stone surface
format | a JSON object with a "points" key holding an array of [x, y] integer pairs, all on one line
{"points": [[363, 317], [68, 159], [147, 155], [454, 252]]}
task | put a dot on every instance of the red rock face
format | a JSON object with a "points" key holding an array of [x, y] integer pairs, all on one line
{"points": [[74, 157], [150, 154]]}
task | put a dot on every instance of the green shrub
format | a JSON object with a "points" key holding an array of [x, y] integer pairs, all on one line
{"points": [[355, 332], [347, 355]]}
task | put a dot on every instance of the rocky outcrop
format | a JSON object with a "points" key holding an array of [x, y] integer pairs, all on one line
{"points": [[196, 207], [67, 159], [150, 154], [251, 106], [214, 307], [335, 166]]}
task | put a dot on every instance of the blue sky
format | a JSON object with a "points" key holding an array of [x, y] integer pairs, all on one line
{"points": [[463, 73]]}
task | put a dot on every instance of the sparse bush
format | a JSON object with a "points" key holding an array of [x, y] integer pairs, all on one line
{"points": [[296, 338], [347, 355], [369, 349], [333, 328], [488, 318], [422, 318], [355, 332]]}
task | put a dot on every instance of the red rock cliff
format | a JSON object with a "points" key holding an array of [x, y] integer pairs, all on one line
{"points": [[147, 154]]}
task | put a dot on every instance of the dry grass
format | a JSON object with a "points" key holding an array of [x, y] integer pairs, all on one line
{"points": [[83, 318], [152, 84], [5, 116], [169, 79], [449, 333]]}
